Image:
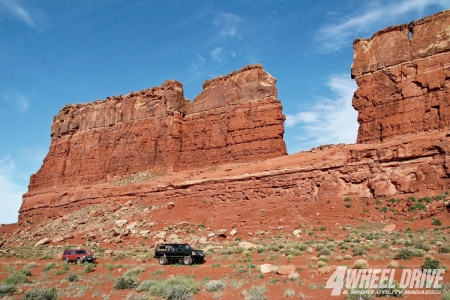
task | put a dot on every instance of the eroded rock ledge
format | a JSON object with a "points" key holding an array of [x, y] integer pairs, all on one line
{"points": [[403, 85]]}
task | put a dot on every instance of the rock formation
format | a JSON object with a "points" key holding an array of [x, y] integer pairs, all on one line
{"points": [[111, 150], [403, 85], [236, 118]]}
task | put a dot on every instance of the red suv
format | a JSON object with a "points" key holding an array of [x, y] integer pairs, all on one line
{"points": [[79, 256]]}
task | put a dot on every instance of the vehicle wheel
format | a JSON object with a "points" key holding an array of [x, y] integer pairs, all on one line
{"points": [[162, 260], [187, 260], [66, 260], [79, 261]]}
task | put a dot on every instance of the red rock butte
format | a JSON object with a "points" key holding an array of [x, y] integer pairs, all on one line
{"points": [[226, 148]]}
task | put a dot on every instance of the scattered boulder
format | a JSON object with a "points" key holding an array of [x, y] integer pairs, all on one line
{"points": [[161, 235], [286, 269], [389, 228], [131, 225], [42, 242], [221, 232], [247, 245], [120, 223], [297, 232], [394, 263], [109, 252], [116, 231], [326, 270], [144, 232], [266, 268], [170, 205], [233, 232], [202, 240]]}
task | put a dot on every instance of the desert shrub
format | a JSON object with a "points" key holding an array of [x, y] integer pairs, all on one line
{"points": [[423, 246], [444, 249], [359, 251], [89, 268], [178, 288], [436, 222], [361, 264], [409, 253], [16, 277], [42, 294], [255, 293], [289, 293], [7, 289], [145, 285], [125, 283], [72, 278], [134, 272], [321, 264], [324, 251], [347, 199], [348, 257], [431, 264], [384, 290], [119, 256], [49, 267], [302, 247], [214, 285], [135, 296]]}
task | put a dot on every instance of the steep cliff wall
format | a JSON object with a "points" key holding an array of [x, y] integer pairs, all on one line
{"points": [[236, 118], [403, 85]]}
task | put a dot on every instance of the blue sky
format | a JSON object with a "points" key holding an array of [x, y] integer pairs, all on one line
{"points": [[53, 53]]}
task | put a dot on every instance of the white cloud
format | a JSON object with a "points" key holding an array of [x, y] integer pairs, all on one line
{"points": [[10, 192], [216, 54], [341, 33], [20, 13], [227, 24], [328, 121]]}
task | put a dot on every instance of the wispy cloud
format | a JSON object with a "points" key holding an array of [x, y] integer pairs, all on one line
{"points": [[216, 54], [22, 14], [10, 192], [227, 24], [367, 20], [327, 121]]}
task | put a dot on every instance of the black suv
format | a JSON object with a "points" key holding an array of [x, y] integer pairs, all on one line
{"points": [[178, 252]]}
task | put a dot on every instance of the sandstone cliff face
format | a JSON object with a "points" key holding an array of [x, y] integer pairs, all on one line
{"points": [[236, 118], [403, 85]]}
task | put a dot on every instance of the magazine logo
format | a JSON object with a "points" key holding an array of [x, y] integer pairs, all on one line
{"points": [[381, 281]]}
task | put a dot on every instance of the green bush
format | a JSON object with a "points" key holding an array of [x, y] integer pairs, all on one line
{"points": [[42, 294], [7, 289], [255, 293], [177, 288], [436, 222], [145, 285], [444, 249], [49, 267], [214, 286], [119, 256], [125, 283], [359, 251], [72, 278], [347, 199], [89, 268], [431, 264], [134, 272], [17, 277], [409, 253], [324, 252]]}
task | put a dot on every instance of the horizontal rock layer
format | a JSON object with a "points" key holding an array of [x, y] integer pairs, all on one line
{"points": [[418, 165], [403, 85], [236, 118]]}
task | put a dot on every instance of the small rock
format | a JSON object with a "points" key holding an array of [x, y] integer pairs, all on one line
{"points": [[266, 268], [297, 232], [161, 235], [286, 269], [202, 240], [233, 232], [389, 228], [221, 232], [131, 225], [144, 232], [246, 245], [120, 223], [394, 263], [109, 252], [57, 239], [326, 270], [170, 205]]}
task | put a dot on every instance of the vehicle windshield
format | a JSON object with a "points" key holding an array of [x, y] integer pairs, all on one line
{"points": [[81, 252], [187, 247]]}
